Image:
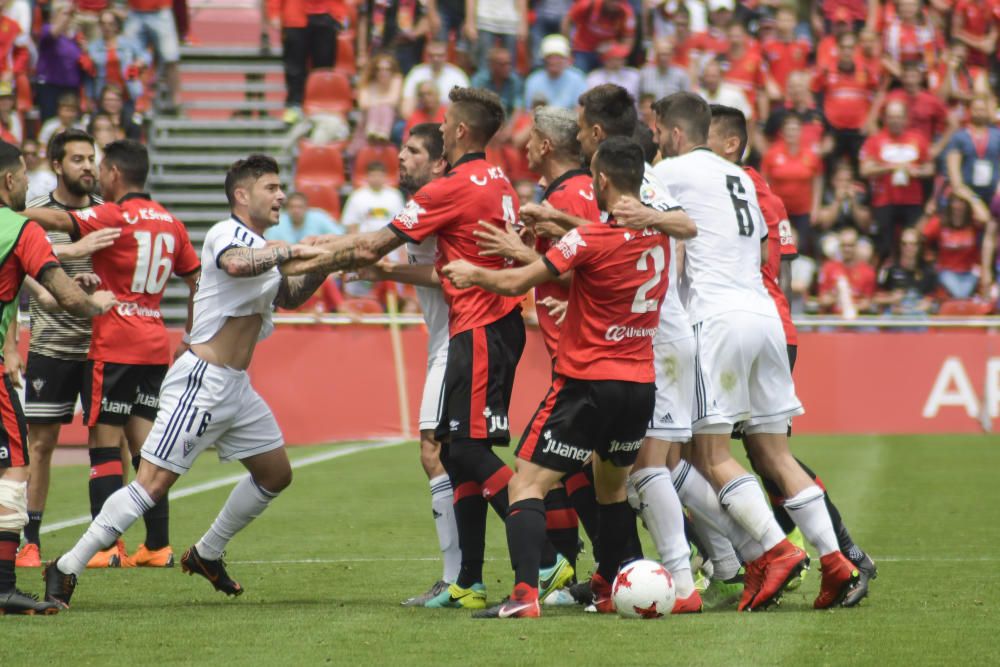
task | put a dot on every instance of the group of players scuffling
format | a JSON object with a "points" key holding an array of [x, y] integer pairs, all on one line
{"points": [[659, 304]]}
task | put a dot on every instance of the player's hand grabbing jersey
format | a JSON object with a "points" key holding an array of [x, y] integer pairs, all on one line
{"points": [[571, 193], [153, 245], [619, 282], [451, 207]]}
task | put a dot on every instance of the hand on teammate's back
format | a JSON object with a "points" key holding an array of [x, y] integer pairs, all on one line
{"points": [[630, 212], [104, 299], [556, 307], [100, 239], [496, 242]]}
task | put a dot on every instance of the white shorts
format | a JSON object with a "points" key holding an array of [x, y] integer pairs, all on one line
{"points": [[203, 405], [433, 396], [742, 372], [674, 364]]}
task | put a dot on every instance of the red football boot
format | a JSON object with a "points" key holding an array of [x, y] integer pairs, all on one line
{"points": [[839, 577]]}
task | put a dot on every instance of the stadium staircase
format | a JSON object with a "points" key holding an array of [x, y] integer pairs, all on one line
{"points": [[232, 99]]}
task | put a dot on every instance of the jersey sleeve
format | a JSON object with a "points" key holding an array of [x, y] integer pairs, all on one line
{"points": [[186, 259], [91, 219], [221, 238], [572, 250], [653, 193], [34, 251], [576, 201], [428, 211]]}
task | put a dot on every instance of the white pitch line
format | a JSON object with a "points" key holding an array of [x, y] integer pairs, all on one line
{"points": [[417, 559], [229, 480]]}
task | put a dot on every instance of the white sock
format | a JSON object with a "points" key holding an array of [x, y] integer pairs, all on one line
{"points": [[244, 504], [808, 509], [721, 555], [664, 518], [443, 507], [744, 500], [120, 511], [703, 503]]}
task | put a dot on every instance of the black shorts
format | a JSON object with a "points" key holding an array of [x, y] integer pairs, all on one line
{"points": [[580, 417], [479, 379], [51, 388], [114, 392], [13, 428]]}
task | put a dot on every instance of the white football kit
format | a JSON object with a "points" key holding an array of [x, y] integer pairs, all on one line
{"points": [[202, 404], [435, 311], [741, 369], [673, 345]]}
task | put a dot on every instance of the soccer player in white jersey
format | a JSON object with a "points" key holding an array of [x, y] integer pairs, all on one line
{"points": [[206, 397], [742, 372]]}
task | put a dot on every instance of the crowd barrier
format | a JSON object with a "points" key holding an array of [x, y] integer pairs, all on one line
{"points": [[333, 378]]}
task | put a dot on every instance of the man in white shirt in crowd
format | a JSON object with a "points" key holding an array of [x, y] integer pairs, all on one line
{"points": [[661, 77], [299, 220], [716, 91], [437, 69], [614, 71]]}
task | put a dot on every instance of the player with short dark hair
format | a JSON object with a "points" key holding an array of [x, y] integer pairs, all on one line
{"points": [[603, 390], [129, 350], [27, 252]]}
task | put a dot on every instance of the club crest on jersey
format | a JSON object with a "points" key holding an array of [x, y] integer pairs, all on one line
{"points": [[410, 215], [587, 194], [130, 219], [569, 243], [86, 214], [37, 384]]}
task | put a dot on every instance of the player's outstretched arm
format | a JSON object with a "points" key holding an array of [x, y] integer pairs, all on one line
{"points": [[73, 299], [350, 252], [240, 262], [296, 290], [633, 214], [508, 282], [51, 219], [89, 244], [421, 275], [533, 214]]}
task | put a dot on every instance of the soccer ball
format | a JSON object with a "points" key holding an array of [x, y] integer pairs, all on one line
{"points": [[643, 589]]}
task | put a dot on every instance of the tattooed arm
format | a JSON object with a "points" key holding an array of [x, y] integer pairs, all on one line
{"points": [[240, 262], [296, 290], [73, 299], [347, 253]]}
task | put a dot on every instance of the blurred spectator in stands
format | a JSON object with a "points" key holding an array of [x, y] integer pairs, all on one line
{"points": [[743, 66], [557, 83], [380, 91], [711, 41], [717, 91], [909, 37], [437, 69], [299, 221], [150, 23], [447, 18], [662, 77], [596, 25], [799, 102], [895, 160], [374, 204], [103, 130], [58, 69], [846, 285], [795, 173], [493, 23], [956, 82], [907, 286], [827, 50], [41, 180], [868, 55], [117, 60], [112, 103], [21, 12], [88, 18], [182, 19], [67, 117], [11, 128], [429, 107], [500, 77], [308, 41], [827, 14], [399, 27], [527, 191], [614, 71], [15, 49], [974, 153], [974, 24], [927, 113], [785, 52], [548, 21], [845, 204], [802, 276], [847, 92], [952, 238]]}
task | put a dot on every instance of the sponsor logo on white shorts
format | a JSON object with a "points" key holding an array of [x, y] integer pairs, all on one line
{"points": [[617, 333], [553, 446]]}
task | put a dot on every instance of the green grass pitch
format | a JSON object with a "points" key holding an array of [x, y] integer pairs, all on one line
{"points": [[325, 568]]}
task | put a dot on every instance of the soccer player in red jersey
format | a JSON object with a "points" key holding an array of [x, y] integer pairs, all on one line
{"points": [[129, 350], [602, 394], [727, 137], [486, 329], [28, 252]]}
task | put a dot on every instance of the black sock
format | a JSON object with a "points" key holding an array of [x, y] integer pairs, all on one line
{"points": [[619, 537], [525, 537], [9, 541], [580, 488], [32, 528], [106, 476], [562, 525], [157, 519]]}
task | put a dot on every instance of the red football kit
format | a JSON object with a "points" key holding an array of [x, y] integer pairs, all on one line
{"points": [[780, 246], [451, 207], [860, 277], [957, 247], [571, 193], [883, 148], [783, 58], [153, 245], [593, 28], [792, 175], [927, 113], [975, 18], [847, 96], [619, 282]]}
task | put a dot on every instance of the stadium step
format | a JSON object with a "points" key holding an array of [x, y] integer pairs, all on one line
{"points": [[208, 143], [163, 159], [174, 198], [231, 68], [249, 87], [235, 105]]}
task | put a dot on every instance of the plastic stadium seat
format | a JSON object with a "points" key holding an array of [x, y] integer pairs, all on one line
{"points": [[328, 91], [967, 307], [319, 164], [363, 307], [322, 196], [387, 154], [346, 62]]}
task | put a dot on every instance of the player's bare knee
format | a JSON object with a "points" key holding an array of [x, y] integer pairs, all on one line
{"points": [[156, 481]]}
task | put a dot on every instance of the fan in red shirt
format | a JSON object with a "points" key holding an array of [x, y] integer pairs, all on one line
{"points": [[956, 82], [847, 283], [954, 235], [785, 53], [927, 113], [597, 24], [894, 161], [974, 22], [795, 173], [744, 67], [910, 37], [602, 393], [129, 350]]}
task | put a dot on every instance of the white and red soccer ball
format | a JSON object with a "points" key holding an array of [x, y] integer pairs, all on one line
{"points": [[643, 589]]}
